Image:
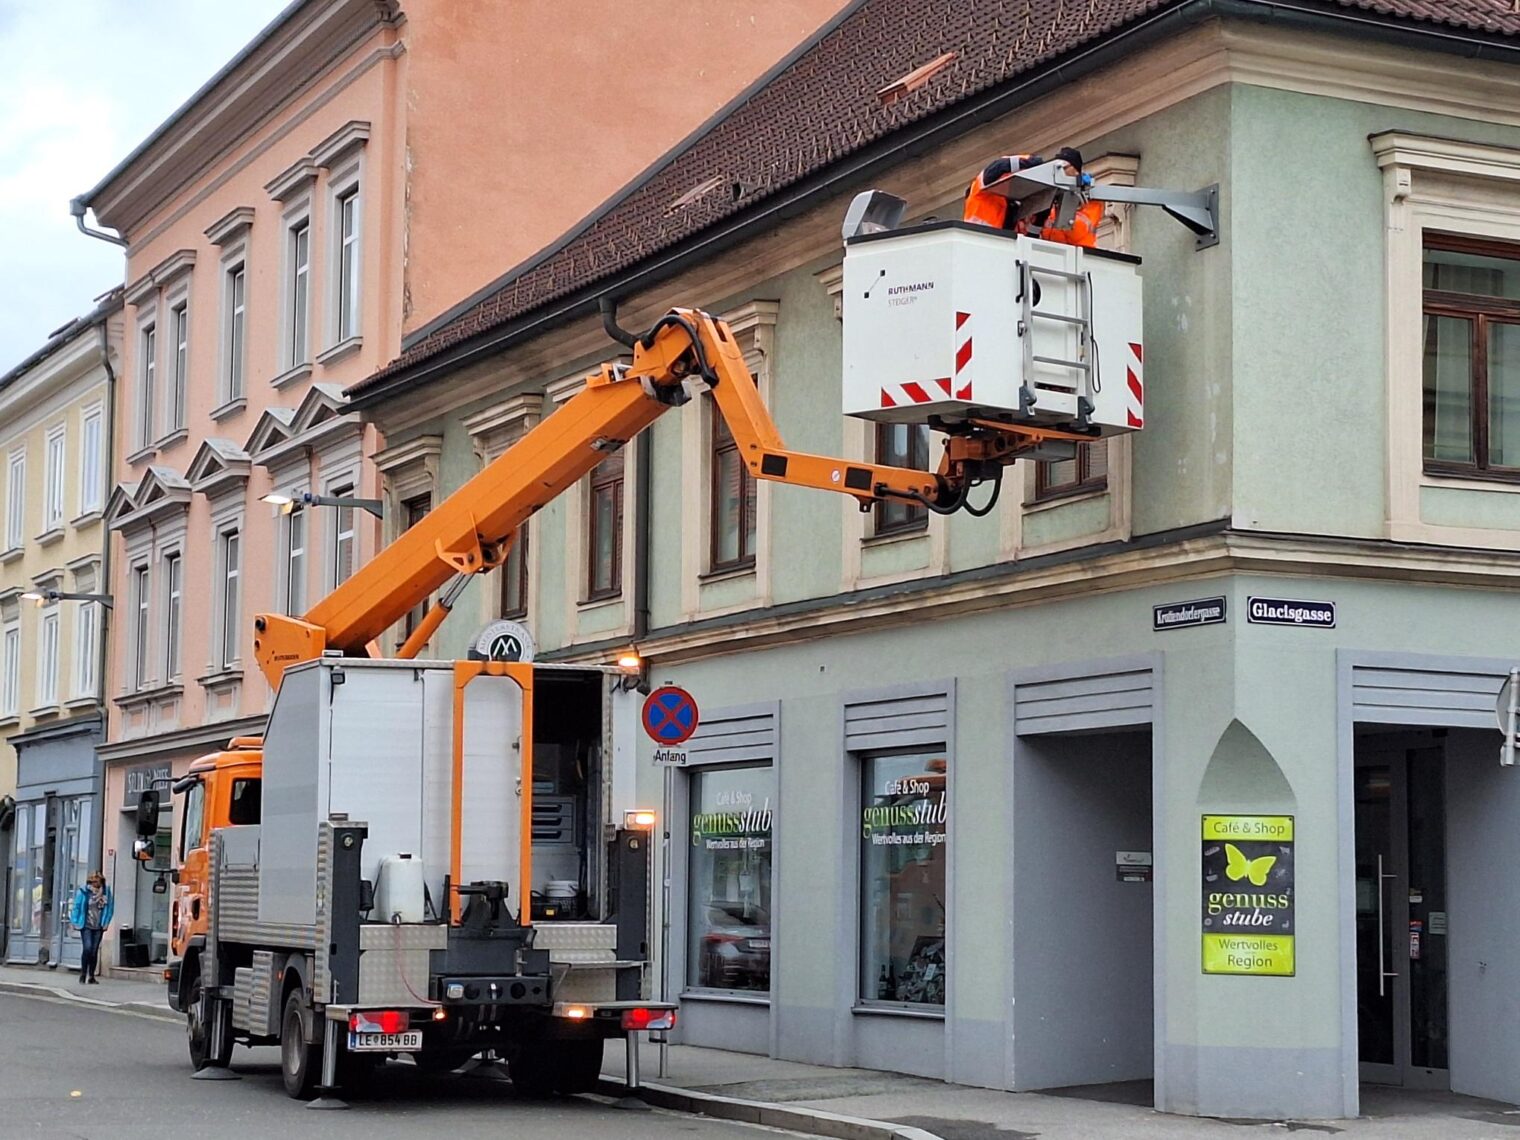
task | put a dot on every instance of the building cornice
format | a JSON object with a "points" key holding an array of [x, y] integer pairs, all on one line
{"points": [[201, 736], [230, 226]]}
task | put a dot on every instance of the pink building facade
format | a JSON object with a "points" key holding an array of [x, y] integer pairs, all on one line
{"points": [[354, 169]]}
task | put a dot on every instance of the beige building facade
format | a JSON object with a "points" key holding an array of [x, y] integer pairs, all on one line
{"points": [[55, 412]]}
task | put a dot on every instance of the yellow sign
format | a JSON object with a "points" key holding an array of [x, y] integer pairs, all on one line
{"points": [[1248, 920]]}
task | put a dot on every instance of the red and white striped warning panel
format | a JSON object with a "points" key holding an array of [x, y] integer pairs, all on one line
{"points": [[943, 388], [963, 356], [1135, 379]]}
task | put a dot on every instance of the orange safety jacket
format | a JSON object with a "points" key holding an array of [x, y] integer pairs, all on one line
{"points": [[985, 207], [1084, 226]]}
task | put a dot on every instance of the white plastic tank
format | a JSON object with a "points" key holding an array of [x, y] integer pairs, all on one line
{"points": [[399, 892]]}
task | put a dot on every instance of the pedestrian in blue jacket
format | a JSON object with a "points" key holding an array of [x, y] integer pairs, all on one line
{"points": [[90, 914]]}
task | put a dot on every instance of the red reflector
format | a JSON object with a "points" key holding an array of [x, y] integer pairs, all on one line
{"points": [[640, 1018], [379, 1021]]}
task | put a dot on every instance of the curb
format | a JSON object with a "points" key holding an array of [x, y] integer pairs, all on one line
{"points": [[39, 989], [816, 1122]]}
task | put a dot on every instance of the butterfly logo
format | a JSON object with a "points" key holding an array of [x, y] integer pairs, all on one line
{"points": [[1239, 867]]}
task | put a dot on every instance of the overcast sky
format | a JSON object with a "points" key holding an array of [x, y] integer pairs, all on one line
{"points": [[82, 82]]}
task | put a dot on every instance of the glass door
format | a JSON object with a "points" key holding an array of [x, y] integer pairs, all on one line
{"points": [[1401, 916]]}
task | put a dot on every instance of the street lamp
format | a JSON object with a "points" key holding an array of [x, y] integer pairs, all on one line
{"points": [[287, 504], [43, 597]]}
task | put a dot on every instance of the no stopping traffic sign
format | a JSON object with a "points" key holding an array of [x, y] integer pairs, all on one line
{"points": [[670, 715]]}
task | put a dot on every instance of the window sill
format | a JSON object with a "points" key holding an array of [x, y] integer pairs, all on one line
{"points": [[725, 997], [81, 703], [1034, 506], [9, 556], [229, 409], [1470, 480], [142, 454], [43, 712], [178, 435], [221, 678], [601, 603], [154, 693], [931, 1014], [338, 351], [291, 376], [89, 518], [893, 537], [48, 537], [10, 721], [727, 573]]}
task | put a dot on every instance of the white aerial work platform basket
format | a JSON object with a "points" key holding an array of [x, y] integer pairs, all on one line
{"points": [[958, 321]]}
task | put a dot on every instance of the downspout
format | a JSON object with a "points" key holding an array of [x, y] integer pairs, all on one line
{"points": [[105, 557], [77, 207]]}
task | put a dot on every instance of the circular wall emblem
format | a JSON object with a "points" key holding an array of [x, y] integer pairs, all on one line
{"points": [[504, 641]]}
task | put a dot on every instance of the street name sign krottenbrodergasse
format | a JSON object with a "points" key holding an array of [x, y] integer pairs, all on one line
{"points": [[1180, 615]]}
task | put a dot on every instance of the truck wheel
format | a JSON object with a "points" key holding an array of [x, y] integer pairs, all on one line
{"points": [[579, 1066], [300, 1063], [198, 1029]]}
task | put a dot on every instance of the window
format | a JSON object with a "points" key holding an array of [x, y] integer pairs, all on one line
{"points": [[234, 307], [1471, 358], [173, 596], [295, 563], [10, 671], [52, 506], [247, 799], [86, 653], [1087, 472], [729, 914], [347, 211], [605, 547], [15, 501], [342, 560], [901, 445], [91, 461], [514, 577], [229, 558], [47, 658], [21, 872], [733, 502], [180, 323], [142, 599], [902, 878], [194, 820], [299, 292], [147, 389], [413, 511]]}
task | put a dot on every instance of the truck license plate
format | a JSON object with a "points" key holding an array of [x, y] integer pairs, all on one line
{"points": [[385, 1042]]}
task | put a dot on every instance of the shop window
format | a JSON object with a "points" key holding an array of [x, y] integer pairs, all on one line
{"points": [[729, 912], [733, 502], [1471, 359], [21, 874], [903, 832], [901, 445], [604, 577]]}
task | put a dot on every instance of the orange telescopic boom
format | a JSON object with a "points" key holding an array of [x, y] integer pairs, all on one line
{"points": [[686, 353]]}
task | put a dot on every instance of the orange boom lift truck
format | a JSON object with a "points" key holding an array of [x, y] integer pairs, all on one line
{"points": [[422, 857]]}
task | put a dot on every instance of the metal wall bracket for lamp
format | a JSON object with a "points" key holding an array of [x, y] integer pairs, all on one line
{"points": [[635, 672], [288, 504], [43, 597]]}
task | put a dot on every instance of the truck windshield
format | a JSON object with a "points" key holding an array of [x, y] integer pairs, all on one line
{"points": [[245, 802]]}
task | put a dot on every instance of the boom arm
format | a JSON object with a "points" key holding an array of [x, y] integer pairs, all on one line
{"points": [[686, 353]]}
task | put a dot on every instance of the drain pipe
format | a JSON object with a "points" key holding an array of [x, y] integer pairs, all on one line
{"points": [[77, 207], [104, 586]]}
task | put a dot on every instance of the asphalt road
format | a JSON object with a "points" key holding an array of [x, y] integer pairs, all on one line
{"points": [[68, 1071]]}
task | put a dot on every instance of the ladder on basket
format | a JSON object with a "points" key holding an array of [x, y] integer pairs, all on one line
{"points": [[1038, 395]]}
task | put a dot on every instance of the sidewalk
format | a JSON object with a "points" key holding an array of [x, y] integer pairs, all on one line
{"points": [[138, 996], [913, 1107]]}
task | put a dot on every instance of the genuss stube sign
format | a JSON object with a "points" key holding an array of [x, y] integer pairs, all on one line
{"points": [[1287, 611], [1248, 886]]}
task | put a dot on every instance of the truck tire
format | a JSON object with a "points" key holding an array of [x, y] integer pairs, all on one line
{"points": [[198, 1029], [300, 1063], [580, 1066]]}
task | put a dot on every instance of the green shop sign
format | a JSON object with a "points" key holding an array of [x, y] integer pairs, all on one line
{"points": [[1248, 895]]}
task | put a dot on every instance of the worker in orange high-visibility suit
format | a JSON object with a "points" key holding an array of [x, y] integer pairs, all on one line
{"points": [[984, 206]]}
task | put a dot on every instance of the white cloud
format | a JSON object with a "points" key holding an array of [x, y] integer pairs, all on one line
{"points": [[83, 84]]}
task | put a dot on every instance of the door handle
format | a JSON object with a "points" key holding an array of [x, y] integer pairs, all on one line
{"points": [[1383, 972]]}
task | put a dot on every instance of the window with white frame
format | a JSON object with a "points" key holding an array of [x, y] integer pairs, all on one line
{"points": [[174, 567], [179, 324], [86, 651], [10, 670], [234, 306], [142, 600], [346, 236], [52, 503], [230, 570], [341, 559], [91, 460], [295, 563], [298, 292], [147, 388], [47, 658], [15, 500]]}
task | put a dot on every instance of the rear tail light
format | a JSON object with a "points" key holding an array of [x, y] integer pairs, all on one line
{"points": [[379, 1021], [641, 1018]]}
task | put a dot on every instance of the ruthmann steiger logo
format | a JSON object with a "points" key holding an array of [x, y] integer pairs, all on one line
{"points": [[916, 287]]}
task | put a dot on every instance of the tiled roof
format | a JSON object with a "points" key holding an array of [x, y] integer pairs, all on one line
{"points": [[826, 103]]}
